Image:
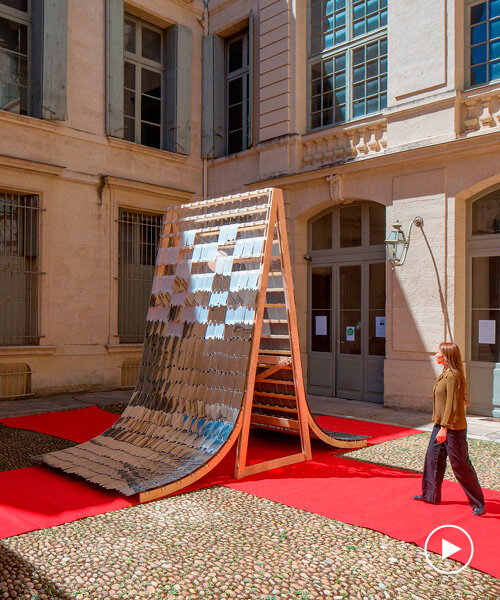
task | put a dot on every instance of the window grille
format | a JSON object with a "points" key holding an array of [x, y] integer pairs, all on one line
{"points": [[138, 236], [143, 83], [484, 57], [14, 31], [347, 60], [19, 269], [130, 372], [15, 380], [237, 94]]}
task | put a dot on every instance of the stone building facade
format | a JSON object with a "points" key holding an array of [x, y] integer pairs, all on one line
{"points": [[363, 111]]}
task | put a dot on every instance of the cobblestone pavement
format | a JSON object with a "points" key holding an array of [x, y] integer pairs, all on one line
{"points": [[219, 543], [17, 446], [409, 452]]}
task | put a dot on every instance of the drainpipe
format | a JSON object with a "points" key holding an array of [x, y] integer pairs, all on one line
{"points": [[205, 160]]}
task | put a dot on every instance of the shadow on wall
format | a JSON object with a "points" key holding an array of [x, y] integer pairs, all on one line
{"points": [[418, 320]]}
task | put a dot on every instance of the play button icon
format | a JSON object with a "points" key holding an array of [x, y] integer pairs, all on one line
{"points": [[449, 541], [448, 549]]}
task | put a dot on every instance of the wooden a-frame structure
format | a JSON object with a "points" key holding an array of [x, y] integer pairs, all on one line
{"points": [[274, 360]]}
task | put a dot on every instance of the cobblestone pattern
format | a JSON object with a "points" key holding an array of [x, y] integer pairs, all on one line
{"points": [[219, 543], [17, 446], [409, 452], [115, 408]]}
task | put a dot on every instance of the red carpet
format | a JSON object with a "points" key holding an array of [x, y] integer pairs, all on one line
{"points": [[381, 498], [78, 425], [350, 491], [82, 424], [37, 497]]}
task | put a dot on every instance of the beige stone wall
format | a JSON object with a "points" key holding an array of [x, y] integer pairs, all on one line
{"points": [[66, 164], [434, 148]]}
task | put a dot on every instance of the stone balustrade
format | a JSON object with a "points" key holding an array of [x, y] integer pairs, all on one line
{"points": [[341, 144], [481, 112]]}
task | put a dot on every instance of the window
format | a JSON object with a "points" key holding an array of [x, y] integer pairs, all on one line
{"points": [[19, 269], [237, 94], [143, 83], [138, 236], [347, 60], [352, 227], [14, 26], [484, 57], [486, 214]]}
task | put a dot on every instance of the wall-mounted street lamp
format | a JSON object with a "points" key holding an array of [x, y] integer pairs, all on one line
{"points": [[396, 244]]}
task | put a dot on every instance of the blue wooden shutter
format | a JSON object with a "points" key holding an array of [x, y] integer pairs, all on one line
{"points": [[178, 58], [49, 59], [213, 88], [114, 68]]}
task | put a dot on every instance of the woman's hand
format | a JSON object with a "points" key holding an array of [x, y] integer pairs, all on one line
{"points": [[441, 436]]}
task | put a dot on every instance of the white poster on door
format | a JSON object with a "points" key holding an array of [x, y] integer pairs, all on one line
{"points": [[380, 327], [321, 325], [486, 332], [350, 334]]}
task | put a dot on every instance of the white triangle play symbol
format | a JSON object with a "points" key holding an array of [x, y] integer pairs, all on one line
{"points": [[447, 548]]}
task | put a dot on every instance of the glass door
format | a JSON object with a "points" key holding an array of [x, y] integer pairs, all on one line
{"points": [[349, 381], [484, 371], [374, 359], [361, 331], [346, 307], [321, 363], [483, 283]]}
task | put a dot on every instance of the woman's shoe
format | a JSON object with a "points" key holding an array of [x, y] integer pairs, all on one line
{"points": [[422, 499], [478, 511]]}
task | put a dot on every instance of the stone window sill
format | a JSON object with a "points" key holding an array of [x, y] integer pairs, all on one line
{"points": [[7, 351]]}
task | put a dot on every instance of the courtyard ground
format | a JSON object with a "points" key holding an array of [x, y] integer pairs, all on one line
{"points": [[220, 543]]}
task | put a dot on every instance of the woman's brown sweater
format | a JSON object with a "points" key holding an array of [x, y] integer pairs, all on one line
{"points": [[449, 410]]}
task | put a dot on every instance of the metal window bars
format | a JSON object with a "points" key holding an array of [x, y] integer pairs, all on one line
{"points": [[15, 380], [19, 269], [138, 236]]}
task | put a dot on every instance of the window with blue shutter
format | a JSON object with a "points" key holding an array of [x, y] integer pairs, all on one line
{"points": [[15, 24], [148, 81], [143, 98], [213, 89]]}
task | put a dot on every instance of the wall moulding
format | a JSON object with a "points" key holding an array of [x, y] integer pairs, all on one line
{"points": [[13, 351], [124, 348], [13, 162], [142, 186], [344, 143]]}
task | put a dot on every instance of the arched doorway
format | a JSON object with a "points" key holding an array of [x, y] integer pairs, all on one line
{"points": [[346, 307], [483, 285]]}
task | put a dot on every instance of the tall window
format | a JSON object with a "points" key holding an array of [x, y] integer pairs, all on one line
{"points": [[14, 24], [484, 42], [143, 83], [19, 269], [347, 60], [138, 236], [237, 94]]}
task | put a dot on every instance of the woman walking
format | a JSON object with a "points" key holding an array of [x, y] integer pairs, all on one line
{"points": [[449, 435]]}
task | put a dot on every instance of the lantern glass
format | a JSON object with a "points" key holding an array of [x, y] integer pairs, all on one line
{"points": [[395, 246]]}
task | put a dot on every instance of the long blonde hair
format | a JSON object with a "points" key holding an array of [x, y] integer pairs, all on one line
{"points": [[453, 359]]}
